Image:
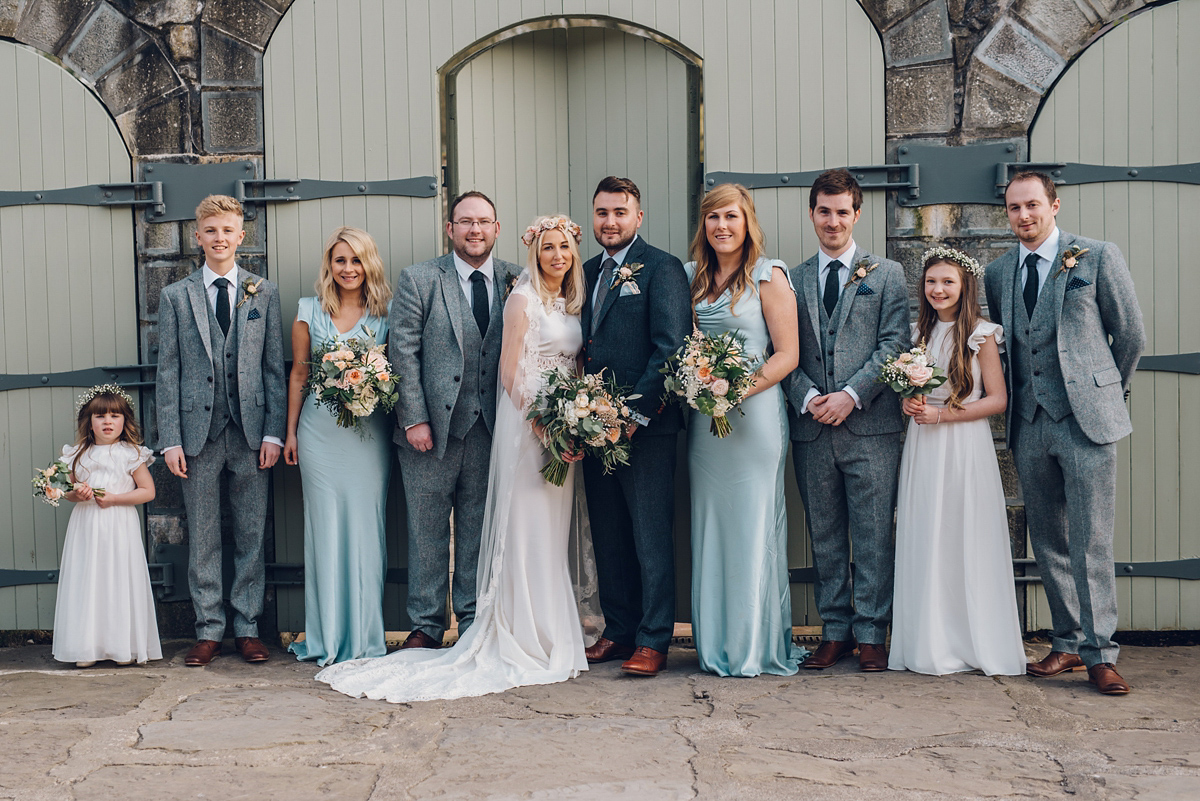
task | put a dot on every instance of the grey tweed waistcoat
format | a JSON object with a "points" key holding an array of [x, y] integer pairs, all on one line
{"points": [[226, 406], [470, 402], [1036, 372]]}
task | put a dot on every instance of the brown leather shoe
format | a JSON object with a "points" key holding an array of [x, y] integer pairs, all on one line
{"points": [[1107, 679], [419, 639], [872, 658], [604, 650], [202, 653], [828, 653], [1055, 662], [251, 649], [645, 662]]}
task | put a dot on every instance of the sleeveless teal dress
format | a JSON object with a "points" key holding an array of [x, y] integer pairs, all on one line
{"points": [[741, 596], [345, 480]]}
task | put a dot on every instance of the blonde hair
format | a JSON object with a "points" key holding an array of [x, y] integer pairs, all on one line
{"points": [[573, 288], [375, 289], [104, 403], [705, 277], [214, 205]]}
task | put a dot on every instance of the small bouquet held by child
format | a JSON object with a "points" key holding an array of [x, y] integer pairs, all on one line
{"points": [[911, 373], [712, 374], [352, 378], [54, 482], [588, 412]]}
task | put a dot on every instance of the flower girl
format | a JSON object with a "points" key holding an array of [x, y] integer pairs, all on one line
{"points": [[105, 606], [955, 606]]}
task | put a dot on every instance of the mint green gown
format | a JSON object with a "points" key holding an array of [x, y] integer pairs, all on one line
{"points": [[345, 480], [741, 597]]}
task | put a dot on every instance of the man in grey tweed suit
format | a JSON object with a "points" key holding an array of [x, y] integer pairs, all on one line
{"points": [[444, 344], [1075, 333], [845, 424], [222, 406]]}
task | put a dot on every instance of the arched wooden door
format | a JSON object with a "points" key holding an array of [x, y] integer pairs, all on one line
{"points": [[69, 303], [1132, 100]]}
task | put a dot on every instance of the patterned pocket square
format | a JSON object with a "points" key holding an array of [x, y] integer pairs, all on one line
{"points": [[253, 315], [1077, 283], [863, 289]]}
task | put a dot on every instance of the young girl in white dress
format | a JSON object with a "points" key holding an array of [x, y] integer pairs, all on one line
{"points": [[105, 607], [955, 606]]}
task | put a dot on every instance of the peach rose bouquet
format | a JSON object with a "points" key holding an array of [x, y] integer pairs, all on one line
{"points": [[912, 373], [711, 373], [53, 482], [353, 379], [588, 412]]}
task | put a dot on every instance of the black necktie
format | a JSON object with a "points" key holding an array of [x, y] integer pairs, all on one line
{"points": [[1031, 283], [606, 273], [479, 302], [832, 279], [222, 285]]}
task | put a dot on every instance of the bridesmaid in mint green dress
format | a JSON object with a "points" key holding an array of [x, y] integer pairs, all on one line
{"points": [[741, 599], [344, 476]]}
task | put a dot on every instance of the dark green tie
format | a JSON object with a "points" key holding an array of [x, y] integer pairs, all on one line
{"points": [[1031, 283], [222, 285]]}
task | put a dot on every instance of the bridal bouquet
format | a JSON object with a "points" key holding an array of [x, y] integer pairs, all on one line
{"points": [[52, 483], [712, 374], [589, 412], [352, 379], [911, 373]]}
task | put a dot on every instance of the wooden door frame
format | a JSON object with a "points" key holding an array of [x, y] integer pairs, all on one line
{"points": [[448, 94]]}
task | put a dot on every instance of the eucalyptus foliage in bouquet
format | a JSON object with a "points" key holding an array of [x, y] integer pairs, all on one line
{"points": [[588, 412], [912, 373], [712, 374], [352, 379], [53, 482]]}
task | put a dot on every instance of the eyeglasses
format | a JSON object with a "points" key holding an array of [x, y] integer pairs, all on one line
{"points": [[469, 224]]}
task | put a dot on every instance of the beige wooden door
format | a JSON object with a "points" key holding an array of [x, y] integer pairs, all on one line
{"points": [[1132, 100], [69, 300]]}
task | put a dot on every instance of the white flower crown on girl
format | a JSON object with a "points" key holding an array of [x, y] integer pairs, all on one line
{"points": [[102, 389], [957, 256], [564, 224]]}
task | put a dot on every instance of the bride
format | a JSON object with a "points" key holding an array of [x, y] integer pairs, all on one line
{"points": [[536, 576]]}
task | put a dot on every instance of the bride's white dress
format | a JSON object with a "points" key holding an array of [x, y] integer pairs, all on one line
{"points": [[955, 605], [536, 572]]}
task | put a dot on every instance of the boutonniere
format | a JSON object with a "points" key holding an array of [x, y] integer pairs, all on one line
{"points": [[1071, 258], [861, 271], [509, 283], [626, 274], [249, 289]]}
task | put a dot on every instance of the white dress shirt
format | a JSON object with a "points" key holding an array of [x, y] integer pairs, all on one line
{"points": [[619, 259], [487, 270], [823, 262], [1046, 252]]}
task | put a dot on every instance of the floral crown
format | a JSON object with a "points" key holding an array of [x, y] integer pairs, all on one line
{"points": [[564, 224], [102, 389], [957, 256]]}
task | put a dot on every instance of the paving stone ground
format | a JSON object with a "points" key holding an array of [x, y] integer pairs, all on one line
{"points": [[238, 731]]}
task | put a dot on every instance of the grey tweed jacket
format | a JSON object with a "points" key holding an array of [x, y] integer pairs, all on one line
{"points": [[425, 344], [184, 388], [1094, 302]]}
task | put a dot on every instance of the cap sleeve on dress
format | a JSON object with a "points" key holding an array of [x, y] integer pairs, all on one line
{"points": [[765, 269], [306, 310], [690, 269], [983, 330], [68, 452], [136, 456]]}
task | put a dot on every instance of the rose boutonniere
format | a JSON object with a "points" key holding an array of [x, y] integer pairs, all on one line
{"points": [[861, 271], [1071, 257], [509, 284], [626, 274], [250, 288]]}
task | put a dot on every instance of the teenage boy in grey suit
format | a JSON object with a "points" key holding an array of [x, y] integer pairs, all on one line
{"points": [[846, 425], [629, 333], [1075, 333], [444, 344], [222, 405]]}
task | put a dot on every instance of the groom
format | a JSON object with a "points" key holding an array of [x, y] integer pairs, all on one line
{"points": [[845, 424], [629, 331], [1075, 334], [444, 345]]}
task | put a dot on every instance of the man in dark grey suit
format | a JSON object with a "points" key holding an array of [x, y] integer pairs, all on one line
{"points": [[1074, 331], [444, 345], [845, 424], [222, 406], [630, 332]]}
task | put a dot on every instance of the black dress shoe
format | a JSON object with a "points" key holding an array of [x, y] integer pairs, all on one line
{"points": [[419, 639]]}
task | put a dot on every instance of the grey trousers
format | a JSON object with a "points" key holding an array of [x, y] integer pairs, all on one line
{"points": [[432, 488], [1069, 483], [247, 499], [848, 483]]}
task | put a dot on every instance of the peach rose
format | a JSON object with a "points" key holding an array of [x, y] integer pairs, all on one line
{"points": [[354, 377], [53, 493], [904, 358], [919, 376], [719, 386], [704, 373], [613, 434]]}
